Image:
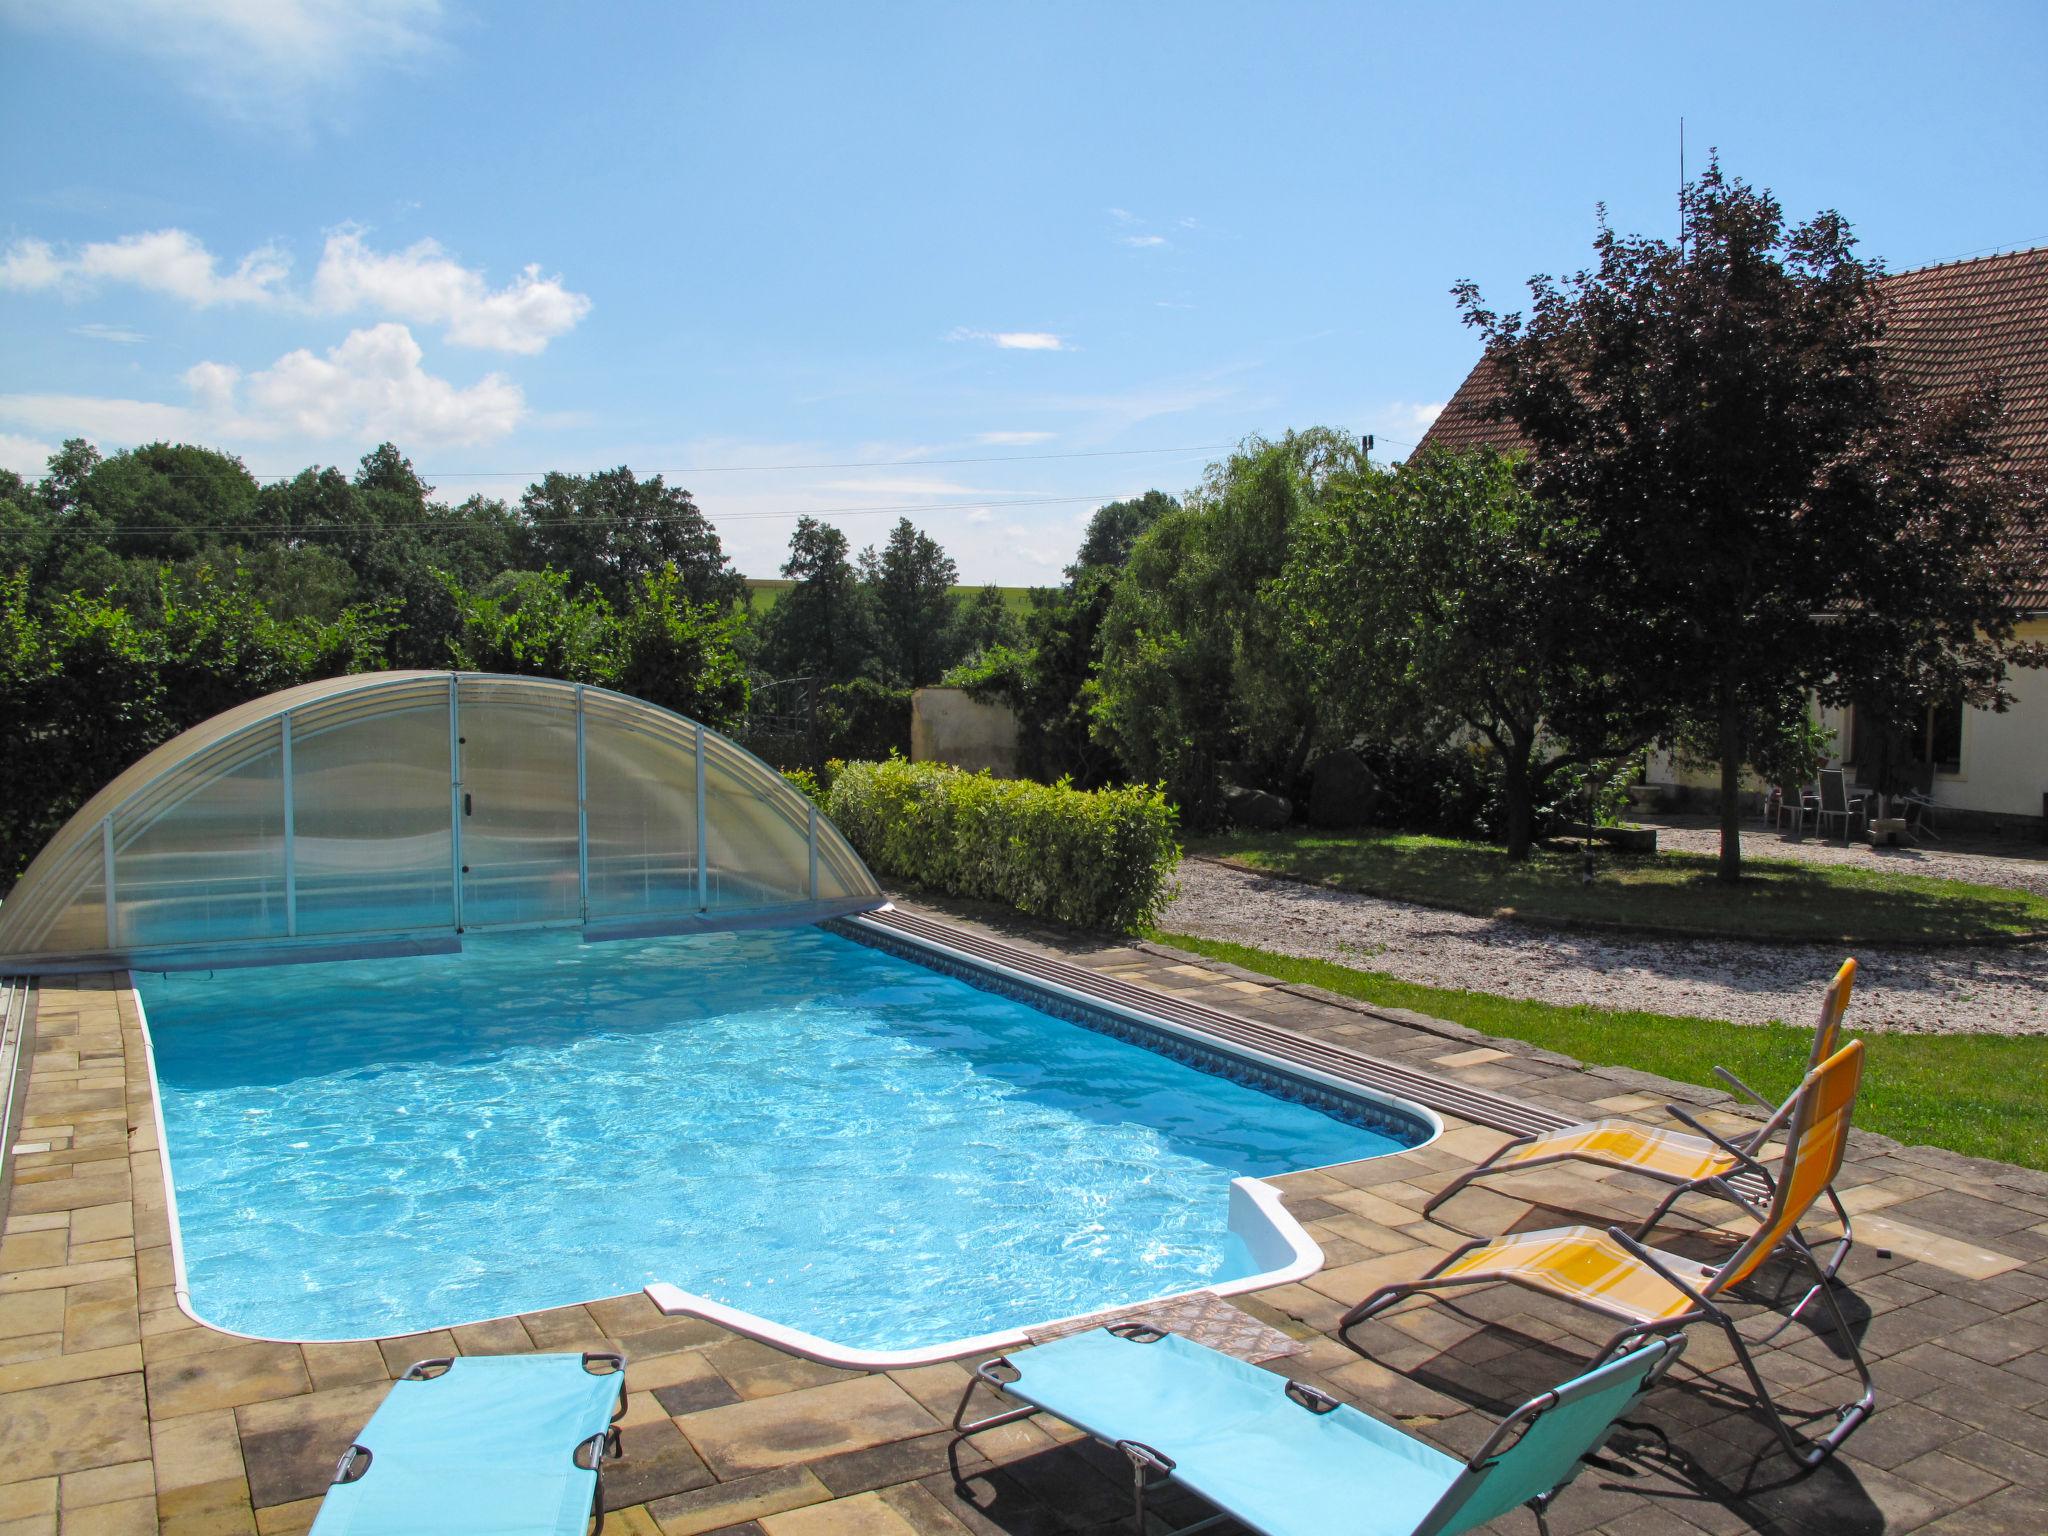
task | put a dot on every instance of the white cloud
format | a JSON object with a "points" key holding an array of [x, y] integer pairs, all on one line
{"points": [[905, 485], [1012, 439], [167, 261], [1141, 242], [369, 387], [1108, 414], [27, 457], [1013, 341], [1407, 417], [423, 283], [1029, 341], [101, 418], [1123, 215], [251, 58], [120, 335]]}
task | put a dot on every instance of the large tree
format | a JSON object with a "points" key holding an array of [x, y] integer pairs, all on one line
{"points": [[1200, 675], [1433, 599], [910, 582], [1053, 687], [1758, 501], [820, 627], [611, 530]]}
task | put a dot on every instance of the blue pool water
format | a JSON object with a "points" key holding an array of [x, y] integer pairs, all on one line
{"points": [[792, 1122]]}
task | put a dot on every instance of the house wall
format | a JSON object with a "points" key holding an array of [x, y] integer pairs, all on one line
{"points": [[2004, 769]]}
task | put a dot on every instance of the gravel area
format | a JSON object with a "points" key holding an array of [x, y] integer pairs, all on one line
{"points": [[2022, 866], [1993, 989]]}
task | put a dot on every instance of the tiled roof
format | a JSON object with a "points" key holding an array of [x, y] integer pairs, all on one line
{"points": [[1950, 327]]}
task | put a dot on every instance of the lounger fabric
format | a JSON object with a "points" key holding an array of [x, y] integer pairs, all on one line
{"points": [[1235, 1437], [1587, 1266], [485, 1447], [1677, 1156], [1550, 1450]]}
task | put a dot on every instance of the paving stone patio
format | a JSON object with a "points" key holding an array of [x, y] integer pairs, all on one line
{"points": [[120, 1414]]}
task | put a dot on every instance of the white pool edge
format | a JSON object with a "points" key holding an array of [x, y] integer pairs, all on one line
{"points": [[1258, 1217]]}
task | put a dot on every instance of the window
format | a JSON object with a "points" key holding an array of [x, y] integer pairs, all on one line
{"points": [[1938, 737], [1933, 738]]}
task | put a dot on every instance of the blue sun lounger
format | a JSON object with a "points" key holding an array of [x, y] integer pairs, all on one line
{"points": [[498, 1445], [1287, 1460]]}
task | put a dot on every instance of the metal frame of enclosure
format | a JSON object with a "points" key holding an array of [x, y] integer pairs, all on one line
{"points": [[394, 811]]}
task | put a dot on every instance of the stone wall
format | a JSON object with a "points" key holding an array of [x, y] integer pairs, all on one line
{"points": [[946, 726]]}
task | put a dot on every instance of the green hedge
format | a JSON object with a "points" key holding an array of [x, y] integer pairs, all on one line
{"points": [[1095, 858]]}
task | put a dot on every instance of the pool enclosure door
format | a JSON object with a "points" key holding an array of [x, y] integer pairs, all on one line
{"points": [[519, 822]]}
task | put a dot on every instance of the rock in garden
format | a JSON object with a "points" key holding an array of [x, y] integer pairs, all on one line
{"points": [[1256, 809], [1343, 791]]}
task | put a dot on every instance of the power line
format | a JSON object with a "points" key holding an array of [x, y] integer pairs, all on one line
{"points": [[436, 526], [740, 469]]}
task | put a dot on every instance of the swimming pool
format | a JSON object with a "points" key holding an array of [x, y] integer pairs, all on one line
{"points": [[810, 1128]]}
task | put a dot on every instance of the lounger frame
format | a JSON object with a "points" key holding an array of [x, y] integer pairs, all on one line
{"points": [[605, 1444], [1152, 1469]]}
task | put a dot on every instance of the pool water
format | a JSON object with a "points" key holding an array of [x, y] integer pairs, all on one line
{"points": [[788, 1121]]}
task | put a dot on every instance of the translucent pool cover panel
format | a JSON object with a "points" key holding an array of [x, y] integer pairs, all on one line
{"points": [[760, 843], [642, 799], [203, 858], [414, 806], [372, 848]]}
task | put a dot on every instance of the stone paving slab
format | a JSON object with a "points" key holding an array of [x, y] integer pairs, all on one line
{"points": [[118, 1413]]}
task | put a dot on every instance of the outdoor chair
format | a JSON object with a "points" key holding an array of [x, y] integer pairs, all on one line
{"points": [[1920, 808], [1650, 1291], [1836, 803], [1790, 801], [498, 1445], [1700, 1162], [1284, 1459]]}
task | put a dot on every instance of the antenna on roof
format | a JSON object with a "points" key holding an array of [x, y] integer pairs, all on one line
{"points": [[1681, 189]]}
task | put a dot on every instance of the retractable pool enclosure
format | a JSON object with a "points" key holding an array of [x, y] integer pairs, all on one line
{"points": [[398, 809]]}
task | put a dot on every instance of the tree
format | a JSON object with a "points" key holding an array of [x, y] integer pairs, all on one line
{"points": [[171, 501], [1760, 504], [911, 585], [982, 622], [1199, 670], [682, 655], [1432, 598], [535, 624], [612, 529], [820, 628], [1051, 682]]}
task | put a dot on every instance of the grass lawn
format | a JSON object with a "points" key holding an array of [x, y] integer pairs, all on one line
{"points": [[764, 592], [1978, 1094], [1675, 891]]}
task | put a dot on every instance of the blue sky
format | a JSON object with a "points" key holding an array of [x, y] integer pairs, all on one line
{"points": [[732, 243]]}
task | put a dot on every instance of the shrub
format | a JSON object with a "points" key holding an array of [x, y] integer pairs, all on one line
{"points": [[805, 783], [863, 718], [1095, 858]]}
